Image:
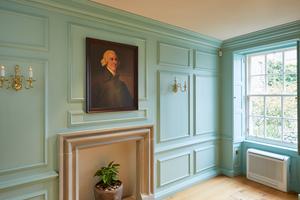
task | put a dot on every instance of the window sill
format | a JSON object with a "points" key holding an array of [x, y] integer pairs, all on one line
{"points": [[272, 147]]}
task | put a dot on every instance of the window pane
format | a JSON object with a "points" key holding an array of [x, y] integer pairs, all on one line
{"points": [[256, 106], [291, 83], [273, 106], [257, 84], [257, 65], [272, 91], [256, 126], [275, 84], [273, 128], [290, 62], [290, 107], [290, 131], [274, 63], [290, 68]]}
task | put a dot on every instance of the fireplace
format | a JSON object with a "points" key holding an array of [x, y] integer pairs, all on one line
{"points": [[82, 152]]}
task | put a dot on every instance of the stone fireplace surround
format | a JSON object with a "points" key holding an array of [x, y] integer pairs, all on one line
{"points": [[71, 143]]}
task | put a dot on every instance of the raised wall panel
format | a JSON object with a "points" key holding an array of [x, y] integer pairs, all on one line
{"points": [[77, 58], [41, 195], [23, 30], [238, 125], [206, 61], [168, 173], [206, 103], [36, 190], [205, 158], [239, 98], [173, 55], [238, 69], [23, 119], [174, 108]]}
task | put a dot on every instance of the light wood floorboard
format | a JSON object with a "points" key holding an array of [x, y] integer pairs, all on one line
{"points": [[237, 188]]}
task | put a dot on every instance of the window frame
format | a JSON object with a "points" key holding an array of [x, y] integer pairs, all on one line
{"points": [[265, 94]]}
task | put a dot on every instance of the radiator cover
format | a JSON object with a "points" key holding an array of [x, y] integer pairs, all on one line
{"points": [[268, 168]]}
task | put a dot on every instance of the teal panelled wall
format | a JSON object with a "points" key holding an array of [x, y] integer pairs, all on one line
{"points": [[196, 134], [50, 36], [234, 147]]}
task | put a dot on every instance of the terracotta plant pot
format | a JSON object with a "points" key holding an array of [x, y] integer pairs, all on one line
{"points": [[101, 194]]}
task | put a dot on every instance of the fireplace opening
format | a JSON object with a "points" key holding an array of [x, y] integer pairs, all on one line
{"points": [[92, 159], [82, 153]]}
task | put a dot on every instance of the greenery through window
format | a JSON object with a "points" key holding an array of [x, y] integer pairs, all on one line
{"points": [[272, 96]]}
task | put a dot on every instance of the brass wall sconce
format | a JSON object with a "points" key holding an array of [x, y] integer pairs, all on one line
{"points": [[178, 86], [16, 81]]}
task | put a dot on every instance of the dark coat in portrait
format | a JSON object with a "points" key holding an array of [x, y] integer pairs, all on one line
{"points": [[110, 92]]}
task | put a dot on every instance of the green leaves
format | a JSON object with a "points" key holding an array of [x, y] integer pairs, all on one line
{"points": [[108, 176]]}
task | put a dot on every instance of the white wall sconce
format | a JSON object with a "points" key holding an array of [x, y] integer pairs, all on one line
{"points": [[16, 81], [178, 86]]}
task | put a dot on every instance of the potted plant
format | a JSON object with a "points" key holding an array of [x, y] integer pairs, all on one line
{"points": [[109, 186]]}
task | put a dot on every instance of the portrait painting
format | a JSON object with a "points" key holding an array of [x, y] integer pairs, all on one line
{"points": [[111, 76]]}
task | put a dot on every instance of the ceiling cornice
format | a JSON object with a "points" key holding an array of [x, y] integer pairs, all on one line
{"points": [[288, 31]]}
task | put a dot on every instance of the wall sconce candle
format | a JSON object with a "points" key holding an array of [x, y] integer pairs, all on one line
{"points": [[2, 71], [3, 79], [30, 79], [30, 73], [178, 86], [16, 81]]}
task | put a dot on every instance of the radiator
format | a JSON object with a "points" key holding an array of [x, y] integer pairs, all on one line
{"points": [[268, 168]]}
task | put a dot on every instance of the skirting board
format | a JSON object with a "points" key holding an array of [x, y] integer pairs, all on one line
{"points": [[230, 172]]}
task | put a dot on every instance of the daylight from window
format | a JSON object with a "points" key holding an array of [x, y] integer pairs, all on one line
{"points": [[272, 96]]}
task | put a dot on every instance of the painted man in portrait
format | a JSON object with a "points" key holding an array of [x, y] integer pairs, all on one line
{"points": [[110, 91]]}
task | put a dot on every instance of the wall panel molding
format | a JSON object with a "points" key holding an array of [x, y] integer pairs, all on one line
{"points": [[189, 143], [173, 55], [40, 89], [206, 61], [77, 60], [80, 118], [28, 179], [43, 194], [207, 96], [212, 163], [170, 178], [165, 94], [31, 33]]}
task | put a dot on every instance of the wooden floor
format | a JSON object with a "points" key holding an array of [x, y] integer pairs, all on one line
{"points": [[238, 188]]}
